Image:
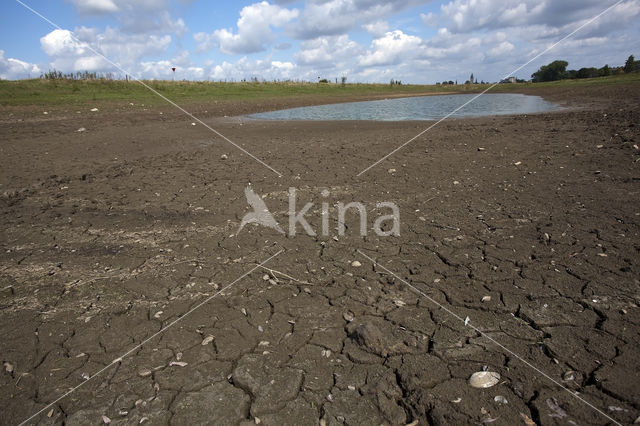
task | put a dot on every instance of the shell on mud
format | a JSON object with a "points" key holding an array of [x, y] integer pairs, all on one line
{"points": [[484, 379], [499, 399]]}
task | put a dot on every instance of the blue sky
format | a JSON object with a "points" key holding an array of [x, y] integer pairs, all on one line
{"points": [[365, 40]]}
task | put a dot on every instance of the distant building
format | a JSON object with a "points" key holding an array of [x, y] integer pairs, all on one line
{"points": [[508, 80]]}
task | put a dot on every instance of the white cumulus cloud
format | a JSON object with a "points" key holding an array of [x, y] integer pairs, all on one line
{"points": [[377, 28], [330, 51], [11, 68], [254, 30], [95, 7], [246, 69], [73, 54], [337, 17], [392, 48]]}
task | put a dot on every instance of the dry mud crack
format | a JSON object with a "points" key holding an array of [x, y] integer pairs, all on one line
{"points": [[99, 253]]}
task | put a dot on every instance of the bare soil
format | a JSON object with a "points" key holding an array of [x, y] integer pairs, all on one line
{"points": [[112, 233]]}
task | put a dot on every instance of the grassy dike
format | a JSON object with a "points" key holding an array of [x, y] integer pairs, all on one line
{"points": [[82, 92]]}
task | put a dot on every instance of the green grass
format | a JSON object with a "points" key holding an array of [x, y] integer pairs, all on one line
{"points": [[68, 92], [75, 92]]}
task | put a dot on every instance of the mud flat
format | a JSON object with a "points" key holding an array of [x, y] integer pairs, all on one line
{"points": [[526, 225]]}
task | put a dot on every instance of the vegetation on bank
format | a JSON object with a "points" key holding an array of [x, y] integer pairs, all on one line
{"points": [[86, 92], [557, 70]]}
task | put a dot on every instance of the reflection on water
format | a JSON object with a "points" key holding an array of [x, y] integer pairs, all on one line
{"points": [[416, 108]]}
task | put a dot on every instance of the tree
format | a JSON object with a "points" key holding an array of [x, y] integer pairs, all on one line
{"points": [[556, 70], [629, 66], [590, 72], [604, 71]]}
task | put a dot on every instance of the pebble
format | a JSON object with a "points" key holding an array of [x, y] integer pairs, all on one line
{"points": [[356, 264], [94, 109], [486, 299], [106, 420], [348, 316], [481, 149], [399, 303], [517, 163], [265, 277], [178, 363], [484, 379], [81, 129], [260, 329], [50, 413], [391, 170], [224, 156], [193, 124], [8, 367], [569, 375], [455, 182], [144, 373], [207, 340]]}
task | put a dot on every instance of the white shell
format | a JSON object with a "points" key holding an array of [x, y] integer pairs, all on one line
{"points": [[484, 379], [500, 399]]}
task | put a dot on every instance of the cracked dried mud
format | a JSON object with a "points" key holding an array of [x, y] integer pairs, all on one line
{"points": [[111, 234]]}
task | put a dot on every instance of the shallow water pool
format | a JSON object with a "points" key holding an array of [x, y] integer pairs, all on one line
{"points": [[417, 108]]}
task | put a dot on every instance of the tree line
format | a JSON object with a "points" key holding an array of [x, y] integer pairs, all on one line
{"points": [[557, 70]]}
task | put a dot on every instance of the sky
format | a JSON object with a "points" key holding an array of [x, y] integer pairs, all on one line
{"points": [[369, 41]]}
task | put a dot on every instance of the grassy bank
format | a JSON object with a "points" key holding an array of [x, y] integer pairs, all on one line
{"points": [[77, 92]]}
